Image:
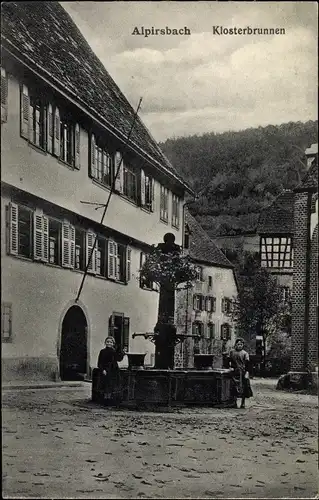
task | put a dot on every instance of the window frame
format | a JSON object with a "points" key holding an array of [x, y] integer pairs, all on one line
{"points": [[164, 195], [129, 180], [175, 211], [58, 243], [227, 327], [198, 297], [276, 251], [142, 284], [211, 326], [6, 339]]}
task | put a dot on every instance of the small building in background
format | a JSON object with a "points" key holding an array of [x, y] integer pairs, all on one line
{"points": [[206, 308]]}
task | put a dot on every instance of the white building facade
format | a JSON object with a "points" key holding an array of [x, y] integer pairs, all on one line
{"points": [[59, 151]]}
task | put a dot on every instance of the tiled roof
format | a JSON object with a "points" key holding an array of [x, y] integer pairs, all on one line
{"points": [[278, 218], [201, 247], [310, 180], [44, 36]]}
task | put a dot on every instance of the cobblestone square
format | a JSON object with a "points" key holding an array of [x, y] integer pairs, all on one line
{"points": [[58, 444]]}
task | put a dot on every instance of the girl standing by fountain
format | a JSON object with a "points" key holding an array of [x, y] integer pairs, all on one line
{"points": [[107, 362], [239, 361]]}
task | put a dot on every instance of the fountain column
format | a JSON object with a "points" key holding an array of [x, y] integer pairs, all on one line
{"points": [[165, 328]]}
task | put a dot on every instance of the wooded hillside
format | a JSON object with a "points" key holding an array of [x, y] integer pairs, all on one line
{"points": [[239, 173]]}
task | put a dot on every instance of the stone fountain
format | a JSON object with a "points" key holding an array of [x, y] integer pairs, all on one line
{"points": [[162, 384]]}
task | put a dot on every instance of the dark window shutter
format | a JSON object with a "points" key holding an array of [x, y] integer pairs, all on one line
{"points": [[201, 303], [111, 325], [126, 333]]}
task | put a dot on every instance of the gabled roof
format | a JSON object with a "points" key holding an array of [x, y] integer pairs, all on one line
{"points": [[44, 37], [201, 247], [278, 218]]}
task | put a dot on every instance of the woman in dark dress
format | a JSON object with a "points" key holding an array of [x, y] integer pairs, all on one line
{"points": [[107, 363], [239, 362]]}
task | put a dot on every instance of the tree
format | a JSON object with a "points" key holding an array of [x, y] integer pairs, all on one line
{"points": [[258, 309]]}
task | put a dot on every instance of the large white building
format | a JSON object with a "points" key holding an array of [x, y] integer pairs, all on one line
{"points": [[64, 129]]}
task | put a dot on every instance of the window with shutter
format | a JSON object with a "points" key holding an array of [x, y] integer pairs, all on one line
{"points": [[24, 114], [175, 211], [143, 182], [128, 264], [38, 236], [225, 332], [6, 322], [208, 304], [164, 204], [92, 163], [111, 325], [152, 195], [57, 132], [50, 129], [147, 284], [90, 252], [67, 140], [211, 331], [13, 228], [4, 95], [20, 224], [129, 183], [126, 333], [68, 245], [72, 246], [118, 172], [112, 257], [55, 230], [77, 163], [37, 120]]}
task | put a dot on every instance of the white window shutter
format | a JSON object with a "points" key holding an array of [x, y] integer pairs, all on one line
{"points": [[162, 203], [90, 238], [66, 255], [152, 193], [77, 163], [105, 166], [50, 129], [142, 188], [4, 95], [45, 235], [165, 204], [25, 111], [116, 261], [57, 132], [120, 174], [111, 271], [128, 263], [72, 245], [38, 236], [13, 227], [93, 157]]}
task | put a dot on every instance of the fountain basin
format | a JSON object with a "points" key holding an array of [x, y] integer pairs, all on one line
{"points": [[203, 361], [159, 387], [136, 360]]}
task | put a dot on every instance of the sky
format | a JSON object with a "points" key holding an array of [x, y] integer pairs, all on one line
{"points": [[205, 82]]}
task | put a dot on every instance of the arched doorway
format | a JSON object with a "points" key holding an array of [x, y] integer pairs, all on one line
{"points": [[73, 350]]}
